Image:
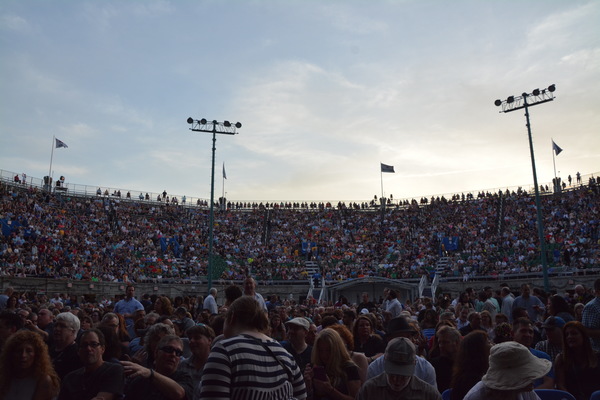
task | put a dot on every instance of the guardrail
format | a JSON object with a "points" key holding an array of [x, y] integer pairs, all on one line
{"points": [[134, 194]]}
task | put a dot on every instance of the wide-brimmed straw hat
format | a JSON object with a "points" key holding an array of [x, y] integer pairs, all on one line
{"points": [[512, 366]]}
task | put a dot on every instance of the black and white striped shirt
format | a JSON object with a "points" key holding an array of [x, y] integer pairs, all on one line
{"points": [[241, 368]]}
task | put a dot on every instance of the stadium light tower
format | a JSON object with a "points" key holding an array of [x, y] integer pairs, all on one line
{"points": [[513, 103], [214, 127]]}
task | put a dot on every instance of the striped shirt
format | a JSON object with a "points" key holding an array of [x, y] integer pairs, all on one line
{"points": [[241, 368]]}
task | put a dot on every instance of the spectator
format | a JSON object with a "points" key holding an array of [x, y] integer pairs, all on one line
{"points": [[162, 380], [510, 375], [507, 302], [591, 317], [553, 345], [277, 329], [155, 333], [523, 334], [250, 290], [200, 337], [128, 306], [474, 319], [358, 358], [533, 305], [163, 307], [210, 302], [296, 345], [365, 340], [448, 341], [184, 322], [558, 307], [97, 379], [26, 370], [332, 374], [63, 351], [471, 363], [10, 323], [247, 363], [399, 327], [398, 380], [578, 366]]}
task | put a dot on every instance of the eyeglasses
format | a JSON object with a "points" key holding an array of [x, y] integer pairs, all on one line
{"points": [[93, 345], [172, 350]]}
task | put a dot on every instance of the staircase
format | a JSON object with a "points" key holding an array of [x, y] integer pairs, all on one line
{"points": [[312, 267]]}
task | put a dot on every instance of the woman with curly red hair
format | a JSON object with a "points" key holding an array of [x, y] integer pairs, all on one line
{"points": [[26, 371]]}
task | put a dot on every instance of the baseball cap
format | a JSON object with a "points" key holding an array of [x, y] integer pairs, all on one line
{"points": [[399, 325], [400, 357], [299, 321]]}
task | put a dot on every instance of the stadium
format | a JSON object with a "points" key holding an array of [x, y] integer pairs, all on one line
{"points": [[87, 240]]}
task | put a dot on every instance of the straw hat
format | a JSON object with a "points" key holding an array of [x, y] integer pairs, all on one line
{"points": [[512, 366]]}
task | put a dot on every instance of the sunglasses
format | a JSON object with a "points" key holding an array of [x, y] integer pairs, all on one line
{"points": [[172, 350]]}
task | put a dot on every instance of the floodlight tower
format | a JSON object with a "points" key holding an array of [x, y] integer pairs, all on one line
{"points": [[214, 127], [513, 103]]}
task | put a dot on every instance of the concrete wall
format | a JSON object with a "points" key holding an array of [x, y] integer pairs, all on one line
{"points": [[296, 291]]}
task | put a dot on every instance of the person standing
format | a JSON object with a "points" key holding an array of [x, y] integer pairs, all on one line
{"points": [[394, 306], [507, 302], [591, 317], [534, 306], [128, 306], [247, 363], [250, 290], [210, 302]]}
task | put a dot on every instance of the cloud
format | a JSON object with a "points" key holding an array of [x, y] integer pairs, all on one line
{"points": [[14, 23]]}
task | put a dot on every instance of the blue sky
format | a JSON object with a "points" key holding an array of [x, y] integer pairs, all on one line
{"points": [[325, 91]]}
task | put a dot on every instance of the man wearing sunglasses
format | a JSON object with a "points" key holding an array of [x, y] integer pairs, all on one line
{"points": [[163, 381], [97, 379]]}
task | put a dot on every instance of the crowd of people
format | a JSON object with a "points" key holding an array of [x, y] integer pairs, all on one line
{"points": [[110, 239], [489, 344]]}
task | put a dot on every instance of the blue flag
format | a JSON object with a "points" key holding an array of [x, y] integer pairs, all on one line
{"points": [[556, 149], [60, 143], [387, 168]]}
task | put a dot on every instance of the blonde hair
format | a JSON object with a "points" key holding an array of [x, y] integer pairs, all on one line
{"points": [[42, 366], [339, 357]]}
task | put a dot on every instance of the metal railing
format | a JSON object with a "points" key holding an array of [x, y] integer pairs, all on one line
{"points": [[77, 189]]}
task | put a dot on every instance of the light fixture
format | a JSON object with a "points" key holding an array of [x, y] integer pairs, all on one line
{"points": [[513, 104]]}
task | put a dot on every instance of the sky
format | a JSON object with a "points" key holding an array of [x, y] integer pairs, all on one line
{"points": [[325, 92]]}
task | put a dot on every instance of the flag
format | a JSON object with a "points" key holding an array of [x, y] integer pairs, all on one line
{"points": [[387, 168], [556, 149], [224, 174], [60, 143]]}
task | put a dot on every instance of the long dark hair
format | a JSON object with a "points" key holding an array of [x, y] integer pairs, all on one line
{"points": [[471, 362], [570, 357]]}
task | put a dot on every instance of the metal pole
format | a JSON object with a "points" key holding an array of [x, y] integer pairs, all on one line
{"points": [[540, 222], [212, 208]]}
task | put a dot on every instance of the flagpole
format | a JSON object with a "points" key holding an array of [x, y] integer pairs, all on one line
{"points": [[553, 159], [50, 169], [223, 195], [381, 174]]}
